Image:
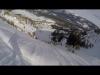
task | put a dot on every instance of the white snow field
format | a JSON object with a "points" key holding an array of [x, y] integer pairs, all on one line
{"points": [[18, 48]]}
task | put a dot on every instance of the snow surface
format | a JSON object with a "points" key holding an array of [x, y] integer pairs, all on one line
{"points": [[91, 15], [17, 48], [24, 50], [31, 16]]}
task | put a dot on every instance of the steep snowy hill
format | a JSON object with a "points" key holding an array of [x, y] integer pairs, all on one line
{"points": [[18, 48], [92, 15], [23, 50]]}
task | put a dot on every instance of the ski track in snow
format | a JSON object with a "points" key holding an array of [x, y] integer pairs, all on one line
{"points": [[75, 58]]}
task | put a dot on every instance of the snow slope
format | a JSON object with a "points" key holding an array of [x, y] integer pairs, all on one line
{"points": [[91, 15], [18, 48], [31, 16]]}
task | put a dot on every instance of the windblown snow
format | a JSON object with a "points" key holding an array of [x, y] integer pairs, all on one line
{"points": [[18, 48]]}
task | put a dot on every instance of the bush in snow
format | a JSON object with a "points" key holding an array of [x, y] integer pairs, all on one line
{"points": [[74, 37]]}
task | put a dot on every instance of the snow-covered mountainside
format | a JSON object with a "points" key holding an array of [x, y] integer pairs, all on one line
{"points": [[92, 15], [18, 48]]}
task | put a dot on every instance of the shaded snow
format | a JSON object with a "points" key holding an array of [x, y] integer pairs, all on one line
{"points": [[91, 15]]}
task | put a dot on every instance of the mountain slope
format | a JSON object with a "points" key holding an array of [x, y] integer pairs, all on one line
{"points": [[20, 49], [35, 52]]}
